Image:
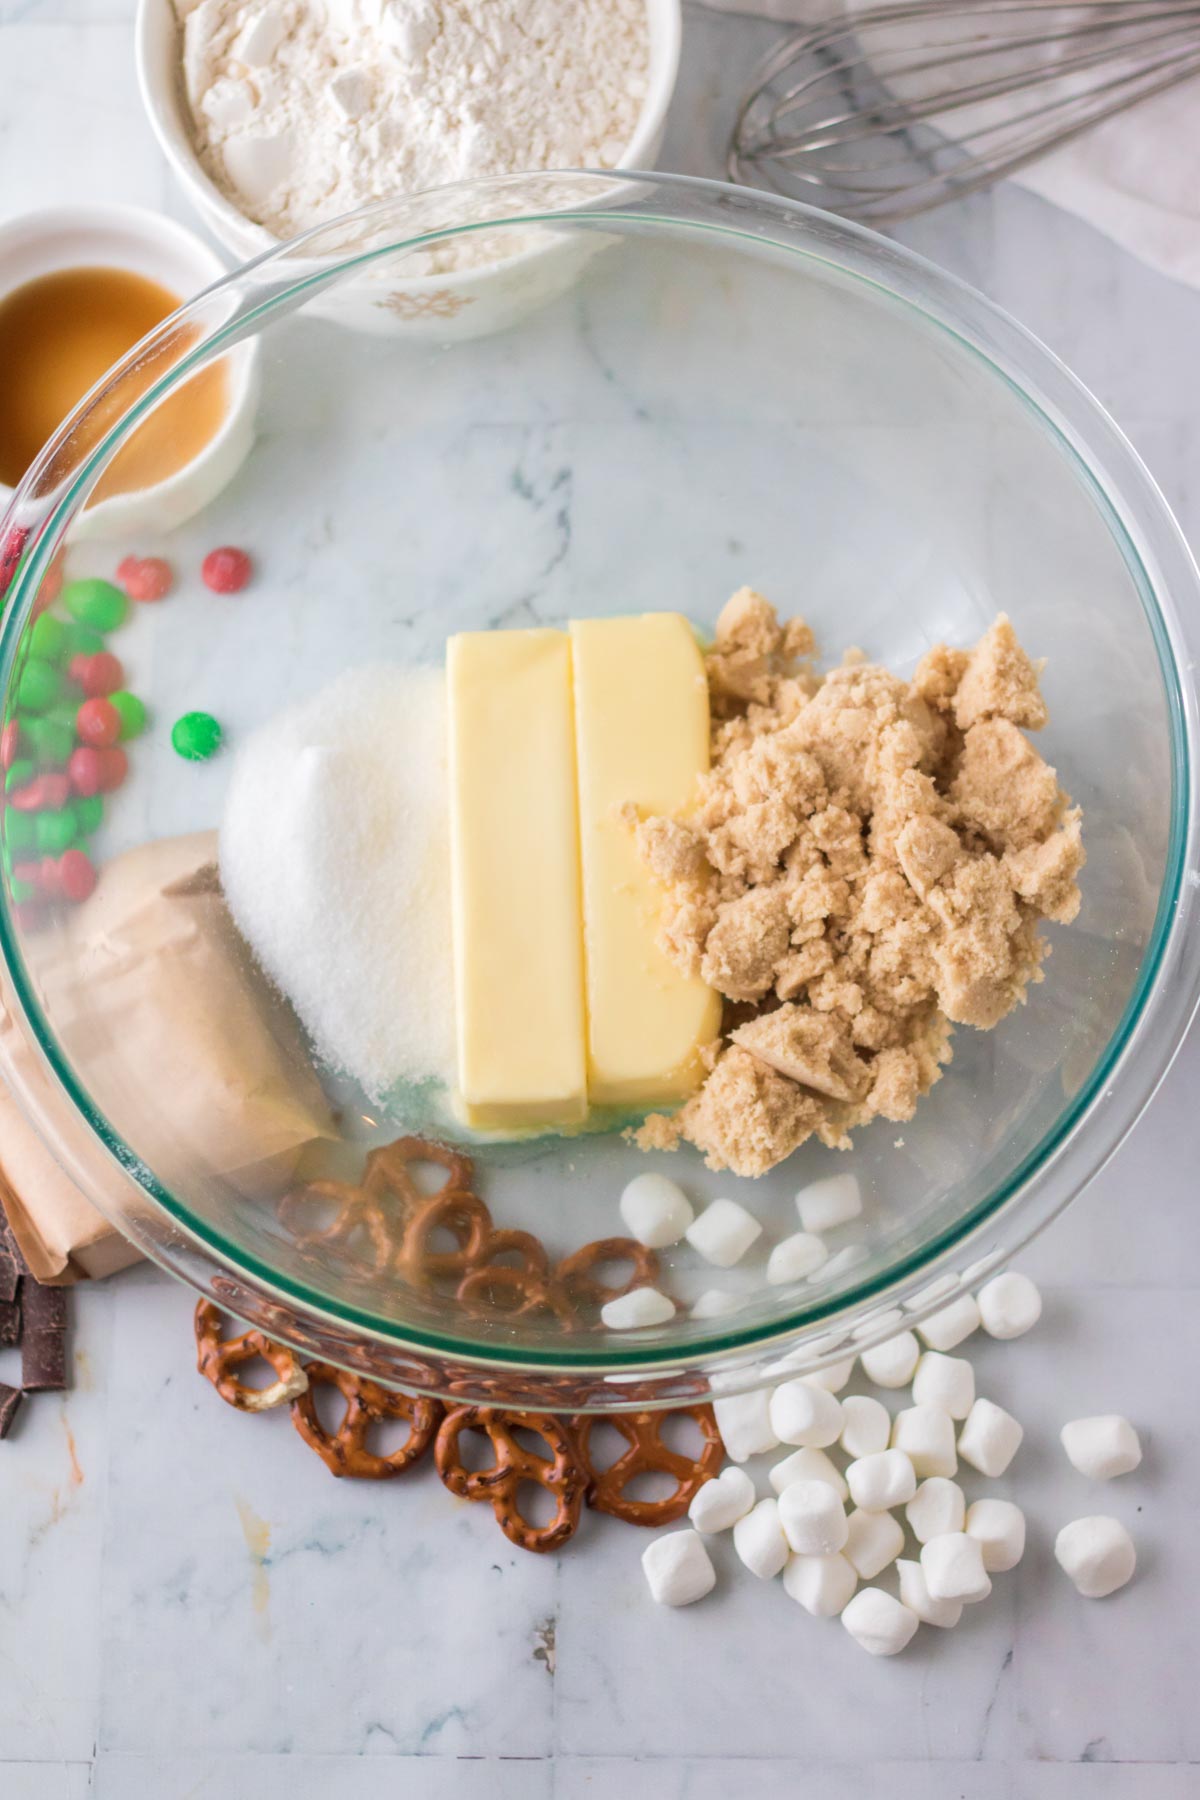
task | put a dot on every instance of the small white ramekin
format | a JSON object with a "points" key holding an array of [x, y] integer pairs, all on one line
{"points": [[128, 237], [459, 304]]}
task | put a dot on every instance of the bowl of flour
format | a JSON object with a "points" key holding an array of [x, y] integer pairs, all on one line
{"points": [[279, 119]]}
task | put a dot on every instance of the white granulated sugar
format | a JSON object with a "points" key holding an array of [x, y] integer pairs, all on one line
{"points": [[304, 109], [335, 863]]}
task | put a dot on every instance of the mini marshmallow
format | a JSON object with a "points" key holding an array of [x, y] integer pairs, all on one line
{"points": [[926, 1435], [998, 1527], [813, 1518], [915, 1594], [1097, 1553], [943, 1330], [641, 1306], [794, 1257], [879, 1622], [1102, 1447], [656, 1210], [882, 1480], [877, 1319], [891, 1364], [848, 1257], [953, 1568], [722, 1501], [723, 1233], [823, 1205], [804, 1414], [808, 1465], [820, 1584], [759, 1541], [990, 1438], [713, 1303], [678, 1568], [1009, 1305], [940, 1288], [744, 1421], [945, 1381], [866, 1425], [833, 1377], [938, 1506], [873, 1540]]}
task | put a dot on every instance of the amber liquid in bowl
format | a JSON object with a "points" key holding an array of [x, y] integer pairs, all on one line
{"points": [[59, 334]]}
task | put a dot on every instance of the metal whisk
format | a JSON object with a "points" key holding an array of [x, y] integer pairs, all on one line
{"points": [[886, 113]]}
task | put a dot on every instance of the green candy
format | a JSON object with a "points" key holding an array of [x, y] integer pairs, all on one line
{"points": [[20, 774], [52, 739], [55, 831], [82, 640], [195, 736], [132, 713], [96, 603], [39, 685], [48, 639], [88, 814], [20, 832]]}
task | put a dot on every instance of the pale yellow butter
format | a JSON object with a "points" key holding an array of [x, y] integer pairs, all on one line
{"points": [[641, 728], [518, 952]]}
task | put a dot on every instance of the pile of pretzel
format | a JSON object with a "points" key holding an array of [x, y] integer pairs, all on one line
{"points": [[387, 1225], [567, 1473]]}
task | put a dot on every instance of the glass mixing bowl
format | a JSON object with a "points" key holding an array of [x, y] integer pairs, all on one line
{"points": [[627, 394]]}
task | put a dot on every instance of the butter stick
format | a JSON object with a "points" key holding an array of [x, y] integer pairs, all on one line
{"points": [[514, 843], [641, 724]]}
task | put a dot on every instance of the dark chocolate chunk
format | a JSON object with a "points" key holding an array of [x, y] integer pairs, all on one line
{"points": [[10, 1321], [45, 1307], [10, 1401], [43, 1360], [12, 1263]]}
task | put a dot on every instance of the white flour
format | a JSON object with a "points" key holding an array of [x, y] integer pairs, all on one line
{"points": [[335, 863], [303, 109]]}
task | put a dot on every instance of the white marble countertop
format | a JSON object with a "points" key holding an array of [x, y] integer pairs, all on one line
{"points": [[190, 1606]]}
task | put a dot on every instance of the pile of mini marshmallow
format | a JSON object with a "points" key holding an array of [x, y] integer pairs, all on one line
{"points": [[802, 1530]]}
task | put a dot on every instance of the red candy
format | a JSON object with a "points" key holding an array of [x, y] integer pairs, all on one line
{"points": [[93, 771], [97, 675], [114, 767], [55, 789], [226, 571], [84, 770], [48, 878], [76, 875], [29, 915], [29, 798], [10, 742], [98, 723], [145, 577], [31, 873]]}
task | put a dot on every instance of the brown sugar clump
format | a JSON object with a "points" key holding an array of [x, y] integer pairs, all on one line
{"points": [[866, 864]]}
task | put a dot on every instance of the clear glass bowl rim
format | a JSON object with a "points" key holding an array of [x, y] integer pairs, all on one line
{"points": [[1165, 576]]}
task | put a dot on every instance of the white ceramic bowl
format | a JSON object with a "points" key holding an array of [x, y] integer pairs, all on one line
{"points": [[128, 237], [463, 303]]}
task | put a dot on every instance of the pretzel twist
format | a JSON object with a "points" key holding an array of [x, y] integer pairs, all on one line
{"points": [[344, 1451], [574, 1272], [561, 1474], [648, 1455], [217, 1358]]}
